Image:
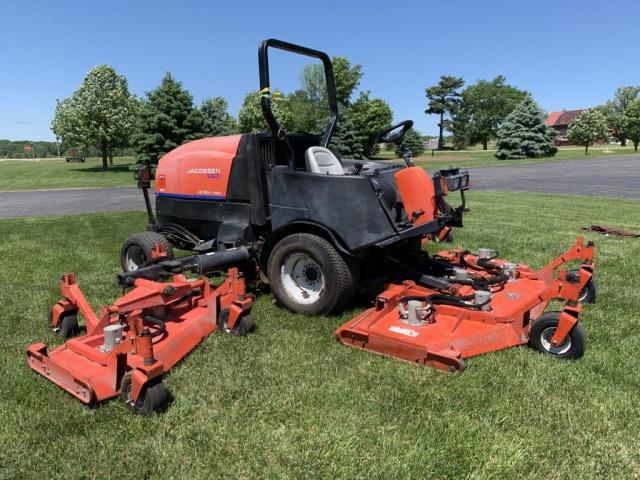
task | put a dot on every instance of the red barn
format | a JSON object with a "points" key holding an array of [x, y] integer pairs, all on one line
{"points": [[560, 122]]}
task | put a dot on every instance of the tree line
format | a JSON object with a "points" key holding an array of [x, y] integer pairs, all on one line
{"points": [[103, 114], [494, 110]]}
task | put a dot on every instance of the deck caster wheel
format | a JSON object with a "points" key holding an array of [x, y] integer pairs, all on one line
{"points": [[243, 326], [589, 292], [152, 398], [137, 250], [544, 328], [67, 326]]}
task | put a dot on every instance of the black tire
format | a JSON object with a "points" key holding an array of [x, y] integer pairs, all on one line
{"points": [[543, 329], [589, 292], [67, 326], [153, 396], [136, 251], [448, 238], [243, 326], [337, 276]]}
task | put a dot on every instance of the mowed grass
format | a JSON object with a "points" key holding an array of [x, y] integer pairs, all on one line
{"points": [[485, 158], [57, 173], [290, 402]]}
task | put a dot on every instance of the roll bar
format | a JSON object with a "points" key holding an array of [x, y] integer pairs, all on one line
{"points": [[265, 91]]}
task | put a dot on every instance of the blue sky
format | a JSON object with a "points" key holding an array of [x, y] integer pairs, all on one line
{"points": [[569, 54]]}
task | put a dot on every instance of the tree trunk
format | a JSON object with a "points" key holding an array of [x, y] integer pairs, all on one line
{"points": [[485, 144], [105, 156], [623, 142], [110, 156], [635, 147], [586, 149], [441, 136]]}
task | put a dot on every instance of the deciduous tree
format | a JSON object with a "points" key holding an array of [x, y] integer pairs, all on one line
{"points": [[444, 99], [100, 113], [484, 106], [588, 128], [251, 119], [369, 117], [631, 123], [615, 109]]}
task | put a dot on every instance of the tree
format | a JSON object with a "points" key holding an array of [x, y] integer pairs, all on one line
{"points": [[615, 109], [444, 99], [631, 123], [414, 142], [167, 119], [100, 113], [484, 106], [346, 79], [588, 128], [369, 116], [344, 138], [523, 134], [251, 119], [216, 119]]}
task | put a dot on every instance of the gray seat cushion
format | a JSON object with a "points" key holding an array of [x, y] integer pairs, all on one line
{"points": [[322, 160]]}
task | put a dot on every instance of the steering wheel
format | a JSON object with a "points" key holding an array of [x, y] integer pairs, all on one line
{"points": [[395, 133]]}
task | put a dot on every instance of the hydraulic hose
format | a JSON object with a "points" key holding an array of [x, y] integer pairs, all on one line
{"points": [[161, 326]]}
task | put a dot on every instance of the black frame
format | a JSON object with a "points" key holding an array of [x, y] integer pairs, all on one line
{"points": [[265, 91]]}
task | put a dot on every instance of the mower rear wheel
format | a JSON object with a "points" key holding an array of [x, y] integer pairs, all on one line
{"points": [[67, 326], [152, 397], [243, 326], [308, 275], [589, 292], [544, 328], [137, 250]]}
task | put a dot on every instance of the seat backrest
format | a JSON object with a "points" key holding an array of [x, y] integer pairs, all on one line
{"points": [[322, 160]]}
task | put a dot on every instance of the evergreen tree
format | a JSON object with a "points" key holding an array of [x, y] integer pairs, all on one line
{"points": [[167, 119], [414, 142], [444, 99], [216, 119], [344, 139], [588, 128], [369, 117], [523, 133]]}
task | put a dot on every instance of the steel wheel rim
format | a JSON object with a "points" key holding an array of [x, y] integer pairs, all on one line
{"points": [[545, 340], [302, 278], [134, 258]]}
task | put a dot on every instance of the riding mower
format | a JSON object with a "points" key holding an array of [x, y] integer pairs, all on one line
{"points": [[316, 228]]}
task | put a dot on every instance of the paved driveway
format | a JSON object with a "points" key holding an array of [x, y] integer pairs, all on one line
{"points": [[610, 177]]}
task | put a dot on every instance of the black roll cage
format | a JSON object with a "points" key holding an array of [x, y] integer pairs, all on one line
{"points": [[265, 91]]}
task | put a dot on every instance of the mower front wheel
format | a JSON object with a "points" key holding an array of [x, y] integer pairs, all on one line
{"points": [[68, 324], [137, 251], [308, 275], [589, 292], [542, 331], [243, 326], [152, 397]]}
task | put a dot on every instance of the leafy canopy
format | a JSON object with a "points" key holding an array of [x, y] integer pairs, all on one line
{"points": [[588, 128], [100, 113], [216, 118], [631, 123], [484, 106]]}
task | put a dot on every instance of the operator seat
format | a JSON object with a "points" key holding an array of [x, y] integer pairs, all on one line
{"points": [[322, 160]]}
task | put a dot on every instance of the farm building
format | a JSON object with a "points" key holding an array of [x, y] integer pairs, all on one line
{"points": [[560, 122]]}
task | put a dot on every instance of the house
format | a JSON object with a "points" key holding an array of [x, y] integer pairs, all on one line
{"points": [[560, 122]]}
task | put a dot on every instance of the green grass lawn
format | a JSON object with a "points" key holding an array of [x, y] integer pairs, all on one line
{"points": [[290, 402], [483, 158], [55, 173]]}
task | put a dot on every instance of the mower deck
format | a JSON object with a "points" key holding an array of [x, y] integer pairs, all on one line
{"points": [[139, 338], [443, 335]]}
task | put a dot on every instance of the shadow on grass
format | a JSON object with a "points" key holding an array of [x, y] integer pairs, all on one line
{"points": [[112, 168]]}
